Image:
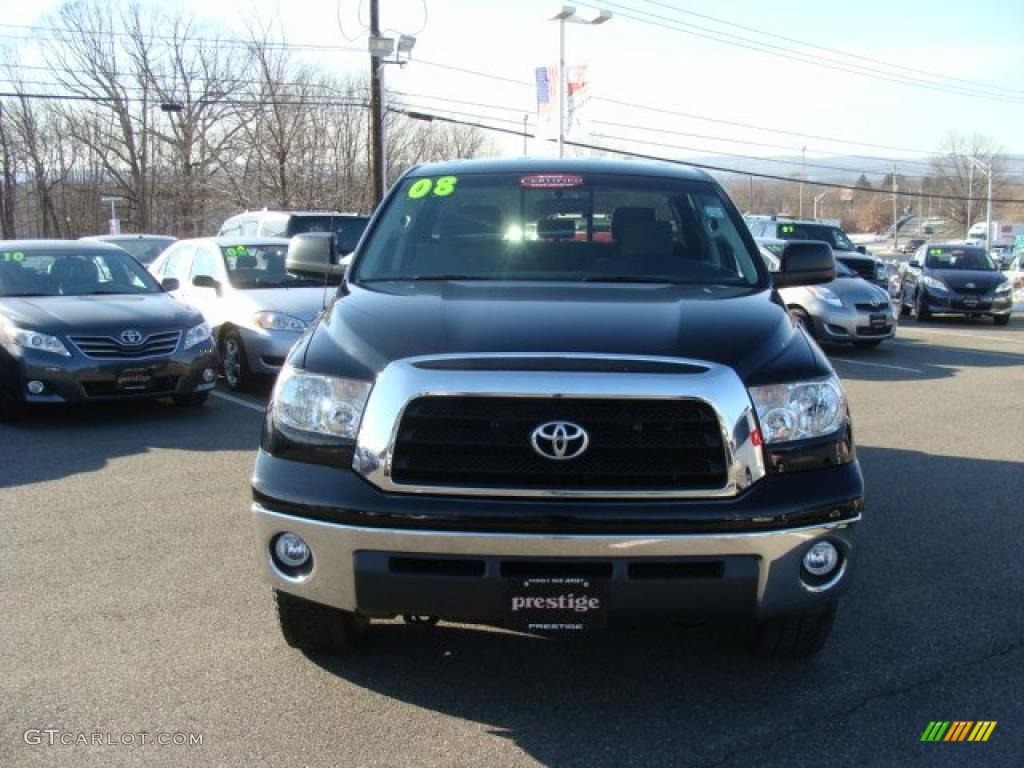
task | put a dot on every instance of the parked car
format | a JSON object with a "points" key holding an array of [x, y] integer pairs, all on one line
{"points": [[950, 278], [856, 257], [143, 248], [913, 244], [347, 227], [83, 321], [556, 433], [848, 310], [256, 309]]}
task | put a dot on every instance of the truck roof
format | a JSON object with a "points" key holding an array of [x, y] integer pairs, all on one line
{"points": [[566, 165]]}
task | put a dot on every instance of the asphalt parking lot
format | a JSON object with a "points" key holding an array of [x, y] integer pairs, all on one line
{"points": [[131, 603]]}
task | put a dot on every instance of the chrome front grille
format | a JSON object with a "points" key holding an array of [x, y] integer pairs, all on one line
{"points": [[157, 344]]}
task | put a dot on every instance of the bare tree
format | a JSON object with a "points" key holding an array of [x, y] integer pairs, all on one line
{"points": [[956, 175]]}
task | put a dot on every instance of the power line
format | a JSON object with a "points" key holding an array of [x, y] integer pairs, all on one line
{"points": [[777, 36], [779, 51], [427, 116]]}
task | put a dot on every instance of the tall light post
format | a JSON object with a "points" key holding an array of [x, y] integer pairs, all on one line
{"points": [[985, 168], [568, 14]]}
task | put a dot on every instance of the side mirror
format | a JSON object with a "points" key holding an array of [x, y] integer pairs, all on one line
{"points": [[805, 262], [205, 281], [315, 255], [170, 284], [862, 249], [914, 264]]}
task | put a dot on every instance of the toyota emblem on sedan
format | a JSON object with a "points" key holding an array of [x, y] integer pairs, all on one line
{"points": [[131, 336], [559, 440]]}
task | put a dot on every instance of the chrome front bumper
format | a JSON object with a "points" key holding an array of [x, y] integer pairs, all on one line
{"points": [[332, 579]]}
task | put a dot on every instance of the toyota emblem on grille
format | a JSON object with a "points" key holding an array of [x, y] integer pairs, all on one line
{"points": [[970, 285], [131, 336], [559, 440]]}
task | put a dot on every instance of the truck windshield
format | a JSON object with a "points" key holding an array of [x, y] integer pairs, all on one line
{"points": [[558, 227]]}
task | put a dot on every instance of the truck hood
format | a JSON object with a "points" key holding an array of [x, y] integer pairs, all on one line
{"points": [[100, 314], [371, 326]]}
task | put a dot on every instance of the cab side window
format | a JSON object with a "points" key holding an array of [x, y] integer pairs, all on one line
{"points": [[178, 263], [205, 263]]}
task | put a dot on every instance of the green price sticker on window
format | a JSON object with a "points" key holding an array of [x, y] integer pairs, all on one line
{"points": [[934, 251], [17, 256], [440, 187], [787, 228]]}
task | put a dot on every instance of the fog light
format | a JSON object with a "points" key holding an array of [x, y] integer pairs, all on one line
{"points": [[821, 559], [291, 550], [36, 387], [209, 375]]}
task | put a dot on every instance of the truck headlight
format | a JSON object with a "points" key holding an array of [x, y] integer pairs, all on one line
{"points": [[935, 284], [317, 404], [197, 335], [278, 321], [825, 294], [799, 410], [38, 341]]}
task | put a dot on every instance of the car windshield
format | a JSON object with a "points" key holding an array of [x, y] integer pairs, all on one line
{"points": [[831, 235], [144, 250], [558, 227], [348, 229], [31, 271], [260, 266], [958, 258]]}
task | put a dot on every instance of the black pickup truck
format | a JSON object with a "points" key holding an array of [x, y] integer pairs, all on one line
{"points": [[512, 415]]}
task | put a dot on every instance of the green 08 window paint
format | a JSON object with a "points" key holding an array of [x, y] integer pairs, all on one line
{"points": [[442, 187], [12, 256]]}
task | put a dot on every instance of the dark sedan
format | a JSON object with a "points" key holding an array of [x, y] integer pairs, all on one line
{"points": [[952, 278], [83, 321]]}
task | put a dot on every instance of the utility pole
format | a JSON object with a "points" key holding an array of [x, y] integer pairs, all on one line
{"points": [[750, 202], [377, 168], [895, 215], [803, 178], [526, 149], [970, 194]]}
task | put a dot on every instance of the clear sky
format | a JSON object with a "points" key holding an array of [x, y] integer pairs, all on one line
{"points": [[980, 41]]}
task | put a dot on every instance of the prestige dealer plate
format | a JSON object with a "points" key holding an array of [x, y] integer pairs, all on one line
{"points": [[563, 604]]}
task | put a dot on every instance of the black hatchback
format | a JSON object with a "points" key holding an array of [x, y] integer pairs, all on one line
{"points": [[83, 321], [957, 279]]}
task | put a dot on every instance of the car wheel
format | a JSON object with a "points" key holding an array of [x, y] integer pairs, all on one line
{"points": [[867, 344], [192, 400], [234, 363], [920, 310], [803, 320], [1001, 319], [315, 628], [904, 306], [795, 635]]}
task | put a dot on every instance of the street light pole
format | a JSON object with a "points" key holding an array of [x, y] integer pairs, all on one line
{"points": [[985, 168], [568, 13], [376, 110], [970, 194]]}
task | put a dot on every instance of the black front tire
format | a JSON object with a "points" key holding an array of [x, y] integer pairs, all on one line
{"points": [[921, 310], [315, 628], [904, 307], [192, 400], [235, 363], [796, 635], [1001, 319]]}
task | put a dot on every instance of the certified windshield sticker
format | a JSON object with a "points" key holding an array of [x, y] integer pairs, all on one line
{"points": [[551, 181], [12, 256], [440, 187]]}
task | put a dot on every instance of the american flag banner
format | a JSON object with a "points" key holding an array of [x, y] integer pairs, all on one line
{"points": [[547, 101]]}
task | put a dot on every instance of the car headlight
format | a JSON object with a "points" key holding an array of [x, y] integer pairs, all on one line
{"points": [[935, 284], [827, 295], [1004, 287], [39, 341], [197, 335], [322, 405], [799, 410], [278, 321]]}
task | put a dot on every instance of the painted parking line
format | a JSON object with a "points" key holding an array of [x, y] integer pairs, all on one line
{"points": [[916, 347], [239, 401], [876, 365], [969, 335]]}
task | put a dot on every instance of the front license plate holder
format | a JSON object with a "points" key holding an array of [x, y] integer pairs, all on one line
{"points": [[134, 379], [878, 321], [559, 604]]}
